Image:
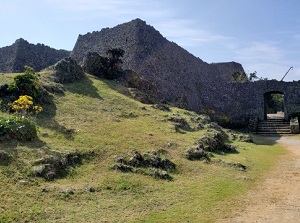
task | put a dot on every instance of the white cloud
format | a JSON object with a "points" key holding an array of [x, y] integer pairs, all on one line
{"points": [[269, 60], [187, 32], [88, 5], [261, 51]]}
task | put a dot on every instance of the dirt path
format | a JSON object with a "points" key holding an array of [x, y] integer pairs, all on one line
{"points": [[277, 199]]}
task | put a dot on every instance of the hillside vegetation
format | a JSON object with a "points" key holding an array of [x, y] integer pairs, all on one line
{"points": [[99, 119]]}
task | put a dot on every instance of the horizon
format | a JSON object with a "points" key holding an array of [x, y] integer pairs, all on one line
{"points": [[262, 36]]}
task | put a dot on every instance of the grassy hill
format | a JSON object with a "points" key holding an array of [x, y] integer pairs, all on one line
{"points": [[99, 118]]}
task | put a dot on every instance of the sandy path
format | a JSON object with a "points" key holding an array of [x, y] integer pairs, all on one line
{"points": [[277, 199]]}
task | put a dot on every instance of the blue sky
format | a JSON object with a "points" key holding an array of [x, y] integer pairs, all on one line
{"points": [[262, 35]]}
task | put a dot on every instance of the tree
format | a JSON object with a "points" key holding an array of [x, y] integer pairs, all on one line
{"points": [[253, 76], [239, 76], [114, 69], [115, 53]]}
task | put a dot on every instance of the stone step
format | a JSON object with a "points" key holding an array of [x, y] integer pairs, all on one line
{"points": [[274, 130], [273, 127], [274, 134], [274, 120]]}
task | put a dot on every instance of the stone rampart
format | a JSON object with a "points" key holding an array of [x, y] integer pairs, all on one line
{"points": [[13, 58]]}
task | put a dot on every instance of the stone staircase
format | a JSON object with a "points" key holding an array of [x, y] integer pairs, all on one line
{"points": [[274, 126]]}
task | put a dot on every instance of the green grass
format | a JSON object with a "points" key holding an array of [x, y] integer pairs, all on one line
{"points": [[106, 120], [7, 78]]}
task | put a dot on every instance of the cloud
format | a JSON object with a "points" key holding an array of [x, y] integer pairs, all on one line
{"points": [[87, 5], [187, 33], [260, 51], [269, 60]]}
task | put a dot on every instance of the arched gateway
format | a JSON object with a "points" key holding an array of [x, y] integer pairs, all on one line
{"points": [[244, 103], [274, 106]]}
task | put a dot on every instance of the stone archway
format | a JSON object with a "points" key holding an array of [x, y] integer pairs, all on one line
{"points": [[274, 105]]}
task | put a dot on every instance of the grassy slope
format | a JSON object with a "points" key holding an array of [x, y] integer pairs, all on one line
{"points": [[110, 124]]}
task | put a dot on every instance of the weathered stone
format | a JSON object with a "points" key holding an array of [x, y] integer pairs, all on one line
{"points": [[231, 164], [133, 161], [67, 71], [21, 53], [294, 123], [122, 167], [214, 141], [55, 166], [138, 162], [196, 154], [245, 138], [95, 64], [179, 78], [92, 189], [162, 107], [179, 123]]}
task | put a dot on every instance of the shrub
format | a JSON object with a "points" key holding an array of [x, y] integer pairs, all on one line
{"points": [[26, 84], [17, 128], [24, 105]]}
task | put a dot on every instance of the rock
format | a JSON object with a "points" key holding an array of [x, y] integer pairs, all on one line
{"points": [[45, 190], [55, 166], [166, 164], [138, 162], [133, 161], [70, 191], [122, 167], [67, 71], [154, 173], [39, 171], [161, 175], [21, 53], [214, 141], [154, 161], [179, 123], [165, 175], [162, 107], [50, 175], [245, 138], [171, 144], [95, 64], [231, 164], [196, 154], [92, 190]]}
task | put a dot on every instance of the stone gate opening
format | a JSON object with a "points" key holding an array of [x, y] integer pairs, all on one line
{"points": [[274, 106]]}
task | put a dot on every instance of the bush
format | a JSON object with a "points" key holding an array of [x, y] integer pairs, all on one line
{"points": [[26, 84], [17, 128]]}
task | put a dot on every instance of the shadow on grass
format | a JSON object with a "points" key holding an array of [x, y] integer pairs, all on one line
{"points": [[46, 119], [259, 139], [84, 87], [265, 140]]}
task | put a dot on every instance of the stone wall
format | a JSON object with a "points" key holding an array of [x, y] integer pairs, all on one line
{"points": [[13, 58], [177, 74], [227, 69], [243, 101], [184, 80]]}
